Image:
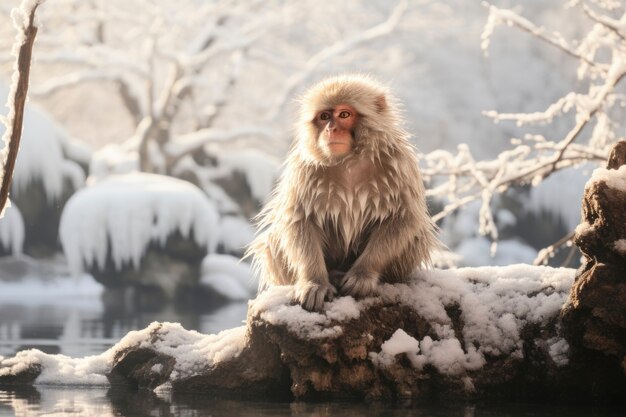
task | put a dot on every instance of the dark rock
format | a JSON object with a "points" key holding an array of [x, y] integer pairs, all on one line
{"points": [[41, 217], [164, 272], [143, 368], [25, 375]]}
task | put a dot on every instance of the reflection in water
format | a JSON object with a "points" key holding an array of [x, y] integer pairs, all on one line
{"points": [[87, 325], [123, 401]]}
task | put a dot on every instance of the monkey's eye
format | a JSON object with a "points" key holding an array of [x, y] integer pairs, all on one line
{"points": [[324, 115], [344, 114]]}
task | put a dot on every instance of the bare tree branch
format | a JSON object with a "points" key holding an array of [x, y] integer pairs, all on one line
{"points": [[17, 96], [553, 39], [336, 49], [545, 254]]}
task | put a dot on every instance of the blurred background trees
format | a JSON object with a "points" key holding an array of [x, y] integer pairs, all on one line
{"points": [[205, 92]]}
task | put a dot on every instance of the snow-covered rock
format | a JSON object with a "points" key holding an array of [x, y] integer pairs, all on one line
{"points": [[11, 231], [139, 229], [228, 276], [595, 315], [236, 233], [466, 333], [49, 168]]}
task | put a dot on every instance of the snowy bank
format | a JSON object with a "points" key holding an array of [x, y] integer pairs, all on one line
{"points": [[466, 333]]}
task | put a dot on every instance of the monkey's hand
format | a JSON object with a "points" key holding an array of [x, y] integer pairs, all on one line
{"points": [[359, 283], [311, 296]]}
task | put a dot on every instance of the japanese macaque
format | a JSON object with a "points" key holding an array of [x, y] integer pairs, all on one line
{"points": [[349, 210]]}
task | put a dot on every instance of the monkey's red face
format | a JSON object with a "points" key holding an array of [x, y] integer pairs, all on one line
{"points": [[336, 130]]}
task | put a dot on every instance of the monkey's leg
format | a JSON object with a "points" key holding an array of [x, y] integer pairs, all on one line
{"points": [[389, 239], [304, 253]]}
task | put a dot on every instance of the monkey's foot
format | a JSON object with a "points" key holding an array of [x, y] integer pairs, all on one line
{"points": [[359, 283], [312, 296]]}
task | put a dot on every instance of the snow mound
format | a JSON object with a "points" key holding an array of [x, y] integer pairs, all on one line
{"points": [[228, 276], [495, 302], [125, 213], [12, 230], [42, 154], [192, 350], [260, 169], [236, 233]]}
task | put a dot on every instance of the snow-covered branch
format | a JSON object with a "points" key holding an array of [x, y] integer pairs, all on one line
{"points": [[459, 179], [336, 49], [509, 17], [24, 22]]}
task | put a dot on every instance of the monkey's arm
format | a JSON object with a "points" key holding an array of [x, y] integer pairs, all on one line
{"points": [[303, 249], [388, 241]]}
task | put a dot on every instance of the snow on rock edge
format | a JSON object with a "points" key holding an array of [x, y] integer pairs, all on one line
{"points": [[128, 212]]}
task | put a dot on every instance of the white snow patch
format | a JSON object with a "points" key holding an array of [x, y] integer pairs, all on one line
{"points": [[236, 233], [620, 246], [113, 159], [399, 342], [12, 229], [274, 306], [559, 350], [41, 154], [61, 369], [613, 178], [495, 302], [228, 276], [127, 212], [259, 168], [193, 352]]}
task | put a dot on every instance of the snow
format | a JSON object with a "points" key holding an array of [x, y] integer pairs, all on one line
{"points": [[399, 342], [193, 351], [495, 303], [127, 213], [12, 229], [259, 168], [559, 350], [228, 276], [620, 246], [112, 159], [613, 178], [42, 152], [236, 233], [274, 307]]}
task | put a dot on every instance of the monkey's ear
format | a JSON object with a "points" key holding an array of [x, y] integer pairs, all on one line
{"points": [[381, 103]]}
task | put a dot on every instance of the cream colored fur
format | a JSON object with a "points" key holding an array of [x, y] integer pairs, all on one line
{"points": [[362, 218]]}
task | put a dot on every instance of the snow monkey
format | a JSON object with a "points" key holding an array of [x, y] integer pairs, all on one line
{"points": [[349, 210]]}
